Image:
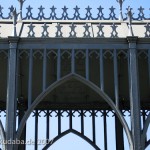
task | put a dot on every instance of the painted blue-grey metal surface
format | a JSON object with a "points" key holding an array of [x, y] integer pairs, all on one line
{"points": [[11, 92], [134, 93], [102, 54], [93, 55]]}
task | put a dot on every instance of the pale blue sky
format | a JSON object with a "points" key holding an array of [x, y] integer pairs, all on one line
{"points": [[81, 3]]}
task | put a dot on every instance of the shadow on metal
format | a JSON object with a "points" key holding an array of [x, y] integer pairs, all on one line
{"points": [[147, 144], [145, 128], [87, 83], [2, 134]]}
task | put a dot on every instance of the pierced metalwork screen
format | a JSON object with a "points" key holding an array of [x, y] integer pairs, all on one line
{"points": [[75, 71]]}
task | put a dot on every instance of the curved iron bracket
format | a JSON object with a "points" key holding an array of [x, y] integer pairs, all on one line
{"points": [[2, 134], [145, 128]]}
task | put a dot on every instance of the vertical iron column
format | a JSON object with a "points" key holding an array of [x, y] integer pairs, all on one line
{"points": [[20, 116], [144, 119], [119, 128], [36, 129], [44, 68], [58, 64], [72, 61], [87, 64], [70, 114], [149, 67], [11, 92], [116, 85], [134, 93], [47, 125], [59, 121], [30, 78], [82, 122], [105, 128], [101, 70], [93, 126]]}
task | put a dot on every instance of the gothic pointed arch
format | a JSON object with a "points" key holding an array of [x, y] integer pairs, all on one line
{"points": [[88, 84], [74, 132], [2, 133], [147, 144], [145, 128]]}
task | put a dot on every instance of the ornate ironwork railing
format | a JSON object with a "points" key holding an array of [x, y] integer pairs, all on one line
{"points": [[75, 29], [76, 15]]}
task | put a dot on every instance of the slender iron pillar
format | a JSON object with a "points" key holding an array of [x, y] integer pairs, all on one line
{"points": [[23, 135], [82, 122], [30, 78], [59, 122], [119, 134], [36, 129], [134, 93], [11, 92], [149, 66], [73, 61], [105, 129], [87, 64], [93, 126], [47, 125], [44, 69], [119, 128], [58, 64], [101, 70]]}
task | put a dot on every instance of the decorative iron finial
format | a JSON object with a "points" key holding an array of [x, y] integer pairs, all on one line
{"points": [[45, 33], [130, 22], [14, 16], [31, 32], [114, 33], [100, 30], [86, 32], [147, 27], [72, 32], [21, 5], [120, 4]]}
